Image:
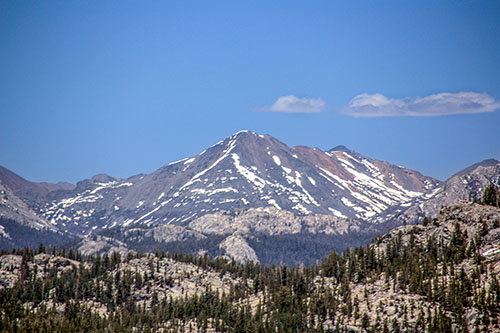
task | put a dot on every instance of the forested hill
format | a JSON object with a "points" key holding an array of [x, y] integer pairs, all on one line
{"points": [[441, 276]]}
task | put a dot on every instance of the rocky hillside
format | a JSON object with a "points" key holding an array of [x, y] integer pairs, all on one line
{"points": [[21, 226], [453, 261], [442, 276], [20, 222], [467, 184], [14, 208]]}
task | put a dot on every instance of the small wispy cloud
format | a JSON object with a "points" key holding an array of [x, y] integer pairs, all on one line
{"points": [[294, 104], [378, 105]]}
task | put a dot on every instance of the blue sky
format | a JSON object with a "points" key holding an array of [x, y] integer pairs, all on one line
{"points": [[124, 87]]}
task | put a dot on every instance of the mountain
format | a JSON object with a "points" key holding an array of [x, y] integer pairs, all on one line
{"points": [[295, 195], [20, 197], [467, 184], [29, 191], [249, 196], [441, 277], [244, 171], [20, 225]]}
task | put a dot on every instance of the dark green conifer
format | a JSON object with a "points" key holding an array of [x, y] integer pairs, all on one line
{"points": [[491, 195]]}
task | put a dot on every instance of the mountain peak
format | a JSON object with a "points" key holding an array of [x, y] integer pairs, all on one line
{"points": [[246, 138], [245, 134], [341, 148], [242, 132], [25, 188], [344, 149], [486, 163], [99, 178]]}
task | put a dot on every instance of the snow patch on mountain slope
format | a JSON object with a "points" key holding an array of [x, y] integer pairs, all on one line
{"points": [[151, 212], [56, 211], [297, 180], [3, 233], [196, 177], [178, 161], [347, 203], [249, 175], [273, 202], [300, 208], [333, 178], [336, 212], [215, 191]]}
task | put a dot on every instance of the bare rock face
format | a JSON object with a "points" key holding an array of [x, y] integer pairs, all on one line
{"points": [[238, 249], [272, 221], [256, 223], [172, 233], [480, 222], [12, 207], [99, 244]]}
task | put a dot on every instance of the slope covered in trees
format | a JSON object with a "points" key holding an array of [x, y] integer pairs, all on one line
{"points": [[443, 275]]}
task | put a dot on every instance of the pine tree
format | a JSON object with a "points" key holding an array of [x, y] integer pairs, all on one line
{"points": [[491, 195]]}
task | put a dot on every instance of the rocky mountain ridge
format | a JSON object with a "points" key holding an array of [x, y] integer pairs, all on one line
{"points": [[467, 184]]}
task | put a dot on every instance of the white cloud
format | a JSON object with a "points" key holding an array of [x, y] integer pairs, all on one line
{"points": [[294, 104], [378, 105]]}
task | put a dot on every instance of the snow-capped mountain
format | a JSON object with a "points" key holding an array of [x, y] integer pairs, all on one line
{"points": [[244, 171], [247, 196]]}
